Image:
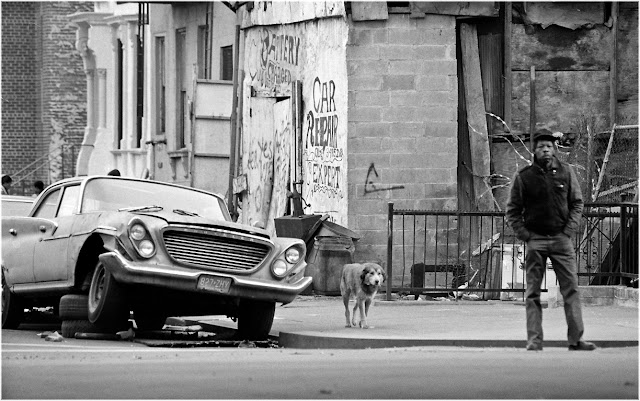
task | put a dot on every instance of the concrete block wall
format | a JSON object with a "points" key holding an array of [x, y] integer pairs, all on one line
{"points": [[43, 85], [402, 128]]}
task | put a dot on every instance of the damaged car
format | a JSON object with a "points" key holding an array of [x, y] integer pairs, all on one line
{"points": [[101, 247]]}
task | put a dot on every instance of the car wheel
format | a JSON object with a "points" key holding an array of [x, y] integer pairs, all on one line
{"points": [[12, 308], [71, 327], [107, 304], [73, 307], [255, 319], [147, 318]]}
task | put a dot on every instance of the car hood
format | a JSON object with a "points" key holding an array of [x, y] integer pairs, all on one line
{"points": [[174, 218]]}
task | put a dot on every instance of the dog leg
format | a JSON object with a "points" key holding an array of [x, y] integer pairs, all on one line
{"points": [[363, 315], [345, 300], [353, 315]]}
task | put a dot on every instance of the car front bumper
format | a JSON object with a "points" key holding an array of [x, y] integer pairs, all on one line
{"points": [[167, 276]]}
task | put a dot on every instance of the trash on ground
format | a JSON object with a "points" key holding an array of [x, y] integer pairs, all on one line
{"points": [[126, 335], [471, 297], [55, 337]]}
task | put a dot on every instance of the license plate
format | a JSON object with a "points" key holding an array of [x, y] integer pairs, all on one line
{"points": [[215, 284]]}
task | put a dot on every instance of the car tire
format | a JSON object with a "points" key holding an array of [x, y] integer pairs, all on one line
{"points": [[12, 308], [73, 307], [148, 319], [71, 327], [255, 319], [107, 303]]}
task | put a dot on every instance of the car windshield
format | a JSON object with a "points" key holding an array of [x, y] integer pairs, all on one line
{"points": [[16, 207], [113, 194]]}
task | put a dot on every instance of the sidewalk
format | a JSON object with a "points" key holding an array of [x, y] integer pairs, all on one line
{"points": [[319, 322]]}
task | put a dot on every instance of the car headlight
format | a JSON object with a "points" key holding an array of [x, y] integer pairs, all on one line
{"points": [[292, 255], [146, 248], [137, 232], [141, 239], [279, 267]]}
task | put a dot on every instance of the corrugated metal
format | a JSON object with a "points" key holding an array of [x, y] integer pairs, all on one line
{"points": [[214, 252]]}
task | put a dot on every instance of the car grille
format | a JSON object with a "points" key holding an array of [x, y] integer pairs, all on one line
{"points": [[212, 251]]}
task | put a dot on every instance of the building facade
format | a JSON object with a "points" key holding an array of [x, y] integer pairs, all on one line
{"points": [[351, 104], [43, 92]]}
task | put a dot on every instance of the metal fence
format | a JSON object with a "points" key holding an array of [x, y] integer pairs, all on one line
{"points": [[56, 165], [476, 255]]}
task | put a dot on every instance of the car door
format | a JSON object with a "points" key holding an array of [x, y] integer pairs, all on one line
{"points": [[51, 251], [19, 237]]}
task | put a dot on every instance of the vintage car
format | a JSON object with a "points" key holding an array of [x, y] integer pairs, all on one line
{"points": [[16, 205], [101, 247]]}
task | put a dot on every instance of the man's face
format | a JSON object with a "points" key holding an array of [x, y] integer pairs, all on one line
{"points": [[544, 150]]}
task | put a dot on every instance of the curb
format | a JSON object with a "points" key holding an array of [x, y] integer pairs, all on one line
{"points": [[305, 341]]}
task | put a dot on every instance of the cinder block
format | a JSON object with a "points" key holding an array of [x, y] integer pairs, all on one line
{"points": [[363, 52], [366, 114], [398, 82], [397, 52], [427, 52]]}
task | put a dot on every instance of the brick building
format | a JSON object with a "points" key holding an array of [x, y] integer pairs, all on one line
{"points": [[43, 92]]}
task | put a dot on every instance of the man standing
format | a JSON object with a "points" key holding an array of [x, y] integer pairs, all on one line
{"points": [[544, 210]]}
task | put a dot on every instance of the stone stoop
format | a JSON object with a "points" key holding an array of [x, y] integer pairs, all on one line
{"points": [[600, 295]]}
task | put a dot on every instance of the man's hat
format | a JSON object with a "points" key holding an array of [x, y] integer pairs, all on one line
{"points": [[543, 134]]}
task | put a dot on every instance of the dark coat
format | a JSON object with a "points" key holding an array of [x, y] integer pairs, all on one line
{"points": [[545, 202]]}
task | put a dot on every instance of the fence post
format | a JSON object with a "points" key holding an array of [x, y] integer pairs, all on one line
{"points": [[623, 241], [389, 250]]}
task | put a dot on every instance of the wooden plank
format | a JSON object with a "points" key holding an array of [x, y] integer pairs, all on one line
{"points": [[369, 11], [532, 107], [461, 8], [556, 48], [613, 70], [282, 139], [507, 63], [476, 119], [257, 163]]}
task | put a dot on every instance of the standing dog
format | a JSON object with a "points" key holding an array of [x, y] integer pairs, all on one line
{"points": [[363, 281]]}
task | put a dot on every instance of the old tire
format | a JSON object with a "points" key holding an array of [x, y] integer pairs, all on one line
{"points": [[73, 307], [255, 319], [71, 327], [107, 303], [12, 308]]}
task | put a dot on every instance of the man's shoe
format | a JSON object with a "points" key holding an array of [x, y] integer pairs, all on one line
{"points": [[534, 347], [582, 346]]}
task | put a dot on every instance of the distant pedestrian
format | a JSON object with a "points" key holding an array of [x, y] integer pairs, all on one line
{"points": [[38, 187], [544, 210], [6, 184], [114, 172]]}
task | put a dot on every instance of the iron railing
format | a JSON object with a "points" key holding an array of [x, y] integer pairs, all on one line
{"points": [[457, 253], [61, 159]]}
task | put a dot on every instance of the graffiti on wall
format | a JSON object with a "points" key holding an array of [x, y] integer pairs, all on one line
{"points": [[322, 154], [278, 54], [371, 186]]}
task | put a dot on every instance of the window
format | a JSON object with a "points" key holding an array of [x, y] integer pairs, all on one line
{"points": [[181, 40], [226, 60], [69, 201], [139, 88], [48, 207], [204, 58], [161, 84], [119, 132]]}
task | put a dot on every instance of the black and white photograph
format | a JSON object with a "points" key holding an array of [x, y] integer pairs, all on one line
{"points": [[318, 199]]}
